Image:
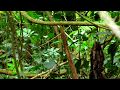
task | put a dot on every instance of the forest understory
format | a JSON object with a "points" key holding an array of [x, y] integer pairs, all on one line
{"points": [[59, 44]]}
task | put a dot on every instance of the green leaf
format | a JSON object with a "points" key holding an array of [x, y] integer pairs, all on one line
{"points": [[118, 23], [49, 64], [33, 14], [77, 65], [50, 35], [84, 45], [74, 32], [113, 48], [34, 38], [86, 64]]}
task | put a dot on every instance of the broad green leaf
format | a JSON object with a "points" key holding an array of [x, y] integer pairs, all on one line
{"points": [[33, 14], [49, 64]]}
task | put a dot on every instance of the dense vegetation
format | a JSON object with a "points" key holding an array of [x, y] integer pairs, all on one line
{"points": [[58, 45]]}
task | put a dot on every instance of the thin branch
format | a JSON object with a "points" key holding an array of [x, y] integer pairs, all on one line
{"points": [[91, 21], [42, 45], [48, 71], [49, 40], [7, 72]]}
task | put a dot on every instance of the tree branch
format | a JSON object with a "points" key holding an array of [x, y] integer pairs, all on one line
{"points": [[24, 13], [65, 44], [110, 23]]}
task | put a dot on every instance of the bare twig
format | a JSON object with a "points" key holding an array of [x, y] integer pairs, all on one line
{"points": [[48, 71], [42, 45], [50, 40]]}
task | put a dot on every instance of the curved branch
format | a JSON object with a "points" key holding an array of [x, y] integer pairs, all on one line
{"points": [[24, 13]]}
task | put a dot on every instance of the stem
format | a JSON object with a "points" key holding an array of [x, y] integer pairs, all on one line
{"points": [[14, 39], [72, 66]]}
